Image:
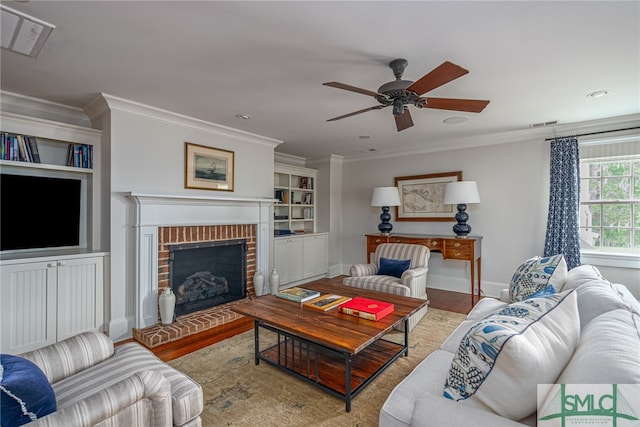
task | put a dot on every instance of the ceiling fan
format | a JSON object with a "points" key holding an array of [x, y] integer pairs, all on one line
{"points": [[400, 93]]}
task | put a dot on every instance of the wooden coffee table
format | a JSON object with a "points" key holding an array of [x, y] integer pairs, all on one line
{"points": [[339, 353]]}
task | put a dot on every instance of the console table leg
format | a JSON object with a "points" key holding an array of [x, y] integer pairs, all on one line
{"points": [[479, 280]]}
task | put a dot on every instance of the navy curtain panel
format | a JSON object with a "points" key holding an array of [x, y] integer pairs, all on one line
{"points": [[563, 222]]}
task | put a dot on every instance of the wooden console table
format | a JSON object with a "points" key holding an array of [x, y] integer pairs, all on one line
{"points": [[468, 249]]}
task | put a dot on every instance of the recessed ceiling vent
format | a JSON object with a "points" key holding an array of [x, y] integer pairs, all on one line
{"points": [[22, 33], [543, 124]]}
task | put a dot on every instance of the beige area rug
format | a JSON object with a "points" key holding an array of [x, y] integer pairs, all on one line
{"points": [[239, 393]]}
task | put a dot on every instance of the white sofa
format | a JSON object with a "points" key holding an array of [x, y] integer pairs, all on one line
{"points": [[606, 351]]}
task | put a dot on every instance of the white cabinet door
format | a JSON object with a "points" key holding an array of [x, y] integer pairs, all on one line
{"points": [[281, 259], [288, 259], [28, 306], [295, 254], [80, 296], [316, 255]]}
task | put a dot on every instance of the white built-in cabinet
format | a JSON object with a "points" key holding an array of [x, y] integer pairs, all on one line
{"points": [[301, 258], [288, 259], [300, 254], [45, 300], [315, 255], [294, 188], [51, 294]]}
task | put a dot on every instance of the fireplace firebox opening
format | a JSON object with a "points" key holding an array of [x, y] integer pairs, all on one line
{"points": [[207, 274]]}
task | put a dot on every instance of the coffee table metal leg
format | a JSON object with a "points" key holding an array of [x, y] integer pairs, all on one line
{"points": [[406, 337], [256, 325], [347, 382]]}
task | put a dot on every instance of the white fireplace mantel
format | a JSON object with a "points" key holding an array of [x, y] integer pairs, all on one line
{"points": [[161, 210]]}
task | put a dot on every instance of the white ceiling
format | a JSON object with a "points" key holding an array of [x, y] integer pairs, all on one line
{"points": [[535, 61]]}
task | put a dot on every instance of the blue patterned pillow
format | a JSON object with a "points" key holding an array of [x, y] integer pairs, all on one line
{"points": [[25, 392], [503, 357], [393, 267], [536, 274], [548, 290]]}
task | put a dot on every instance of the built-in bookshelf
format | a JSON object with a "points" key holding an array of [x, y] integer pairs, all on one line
{"points": [[15, 147], [294, 190], [51, 150]]}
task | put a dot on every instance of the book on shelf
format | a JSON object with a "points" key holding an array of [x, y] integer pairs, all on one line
{"points": [[297, 294], [33, 146], [326, 302], [367, 308], [80, 156]]}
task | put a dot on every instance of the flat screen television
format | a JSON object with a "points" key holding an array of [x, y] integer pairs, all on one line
{"points": [[39, 212]]}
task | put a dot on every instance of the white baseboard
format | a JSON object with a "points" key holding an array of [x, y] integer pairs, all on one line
{"points": [[121, 329], [458, 284]]}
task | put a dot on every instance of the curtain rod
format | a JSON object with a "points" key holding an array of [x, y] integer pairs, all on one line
{"points": [[593, 133]]}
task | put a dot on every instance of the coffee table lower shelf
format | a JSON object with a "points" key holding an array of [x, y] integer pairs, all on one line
{"points": [[340, 374]]}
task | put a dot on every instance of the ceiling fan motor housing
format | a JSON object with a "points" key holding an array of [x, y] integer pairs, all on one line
{"points": [[396, 91]]}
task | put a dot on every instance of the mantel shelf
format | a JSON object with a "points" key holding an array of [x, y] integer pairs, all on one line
{"points": [[149, 197]]}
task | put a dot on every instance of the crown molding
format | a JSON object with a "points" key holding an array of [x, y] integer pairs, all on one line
{"points": [[522, 135], [34, 107], [105, 102]]}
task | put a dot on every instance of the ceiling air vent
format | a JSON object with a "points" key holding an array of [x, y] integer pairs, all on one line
{"points": [[543, 124]]}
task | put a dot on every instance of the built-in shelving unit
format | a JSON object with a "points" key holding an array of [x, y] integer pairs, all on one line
{"points": [[294, 188], [51, 293], [300, 253]]}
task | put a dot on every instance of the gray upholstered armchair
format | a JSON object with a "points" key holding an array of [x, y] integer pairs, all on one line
{"points": [[396, 268]]}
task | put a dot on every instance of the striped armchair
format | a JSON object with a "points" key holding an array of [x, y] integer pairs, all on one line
{"points": [[412, 283], [97, 384]]}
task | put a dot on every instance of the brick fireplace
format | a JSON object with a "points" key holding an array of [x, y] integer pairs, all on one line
{"points": [[162, 221]]}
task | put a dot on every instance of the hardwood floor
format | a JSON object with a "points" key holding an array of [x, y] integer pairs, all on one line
{"points": [[442, 300]]}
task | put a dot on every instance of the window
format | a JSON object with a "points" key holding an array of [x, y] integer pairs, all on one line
{"points": [[610, 198]]}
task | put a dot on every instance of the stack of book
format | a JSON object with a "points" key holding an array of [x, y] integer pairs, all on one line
{"points": [[21, 148], [367, 308], [297, 294], [80, 156], [326, 302]]}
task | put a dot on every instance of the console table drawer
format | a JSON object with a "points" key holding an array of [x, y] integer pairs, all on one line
{"points": [[457, 253]]}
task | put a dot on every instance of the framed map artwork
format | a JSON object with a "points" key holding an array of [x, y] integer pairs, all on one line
{"points": [[422, 197]]}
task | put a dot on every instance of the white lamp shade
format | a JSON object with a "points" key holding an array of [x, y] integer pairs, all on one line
{"points": [[385, 196], [458, 192]]}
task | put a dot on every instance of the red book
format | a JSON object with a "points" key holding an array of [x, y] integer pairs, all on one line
{"points": [[366, 308]]}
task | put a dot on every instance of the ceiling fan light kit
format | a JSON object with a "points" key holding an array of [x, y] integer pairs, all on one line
{"points": [[400, 93]]}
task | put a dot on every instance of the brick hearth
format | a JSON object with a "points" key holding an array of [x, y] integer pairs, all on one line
{"points": [[203, 320], [186, 325]]}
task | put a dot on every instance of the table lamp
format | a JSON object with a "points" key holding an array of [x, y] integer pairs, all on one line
{"points": [[461, 193], [385, 197]]}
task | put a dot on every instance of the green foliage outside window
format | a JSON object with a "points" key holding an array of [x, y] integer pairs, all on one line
{"points": [[610, 205]]}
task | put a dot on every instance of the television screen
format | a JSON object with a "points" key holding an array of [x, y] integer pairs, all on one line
{"points": [[39, 212]]}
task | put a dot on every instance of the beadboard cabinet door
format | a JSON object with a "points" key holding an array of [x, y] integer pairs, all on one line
{"points": [[29, 293], [316, 256], [49, 300], [80, 296], [288, 259]]}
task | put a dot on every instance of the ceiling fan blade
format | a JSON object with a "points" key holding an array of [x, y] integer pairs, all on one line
{"points": [[470, 105], [353, 89], [404, 120], [440, 75], [376, 107]]}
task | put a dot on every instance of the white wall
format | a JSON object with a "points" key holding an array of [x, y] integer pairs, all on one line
{"points": [[329, 207], [513, 181], [147, 155]]}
